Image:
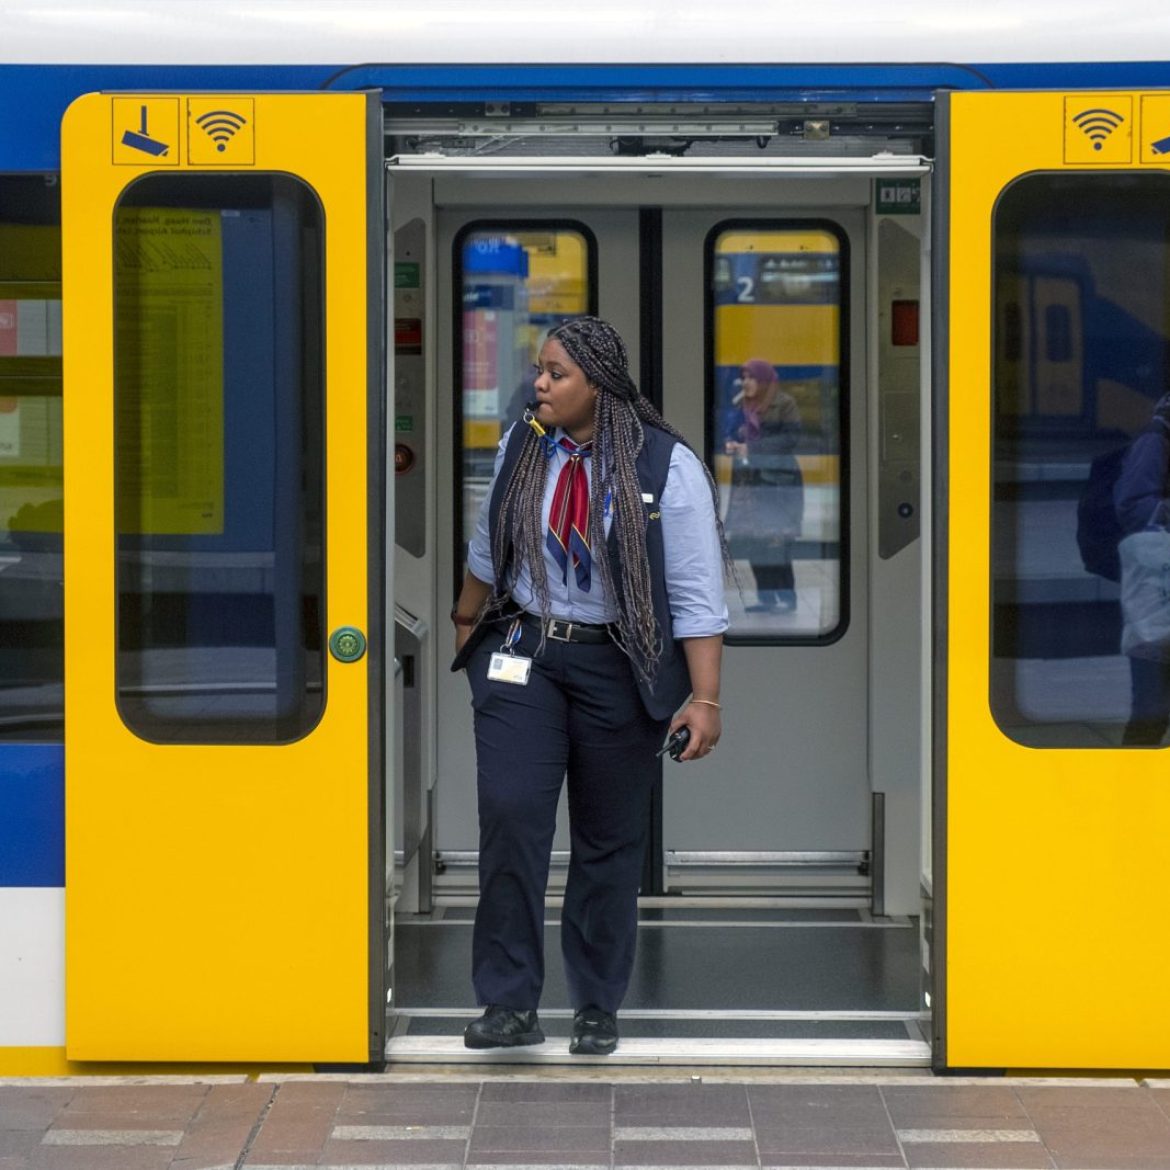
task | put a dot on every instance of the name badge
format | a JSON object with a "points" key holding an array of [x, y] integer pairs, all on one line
{"points": [[509, 668]]}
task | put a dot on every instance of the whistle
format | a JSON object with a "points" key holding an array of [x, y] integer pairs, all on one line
{"points": [[530, 418]]}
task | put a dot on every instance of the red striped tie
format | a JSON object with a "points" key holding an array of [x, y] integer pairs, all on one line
{"points": [[568, 518]]}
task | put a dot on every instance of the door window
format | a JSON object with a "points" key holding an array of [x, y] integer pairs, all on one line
{"points": [[1081, 369], [219, 445], [776, 324], [516, 282]]}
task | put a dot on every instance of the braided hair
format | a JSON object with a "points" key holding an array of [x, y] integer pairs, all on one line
{"points": [[620, 414]]}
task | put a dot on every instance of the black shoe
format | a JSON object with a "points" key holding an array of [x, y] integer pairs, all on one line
{"points": [[502, 1027], [595, 1033], [762, 607]]}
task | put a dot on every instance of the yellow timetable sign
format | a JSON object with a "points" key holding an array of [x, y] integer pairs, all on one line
{"points": [[1098, 129], [221, 131], [169, 324], [145, 131]]}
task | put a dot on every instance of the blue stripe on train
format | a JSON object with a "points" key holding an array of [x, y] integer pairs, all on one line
{"points": [[32, 815]]}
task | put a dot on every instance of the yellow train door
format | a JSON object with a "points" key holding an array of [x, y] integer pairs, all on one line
{"points": [[1053, 807], [224, 634]]}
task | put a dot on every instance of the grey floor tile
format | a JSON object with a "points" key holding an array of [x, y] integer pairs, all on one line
{"points": [[496, 1138], [684, 1154], [572, 1091]]}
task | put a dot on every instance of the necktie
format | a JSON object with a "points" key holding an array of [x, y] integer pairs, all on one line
{"points": [[568, 518]]}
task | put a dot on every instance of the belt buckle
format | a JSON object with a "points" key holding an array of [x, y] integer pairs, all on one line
{"points": [[567, 636]]}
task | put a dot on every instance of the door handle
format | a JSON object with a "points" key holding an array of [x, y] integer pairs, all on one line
{"points": [[347, 644]]}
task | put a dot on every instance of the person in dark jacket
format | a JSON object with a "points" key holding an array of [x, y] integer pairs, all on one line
{"points": [[590, 623], [1141, 488], [766, 509]]}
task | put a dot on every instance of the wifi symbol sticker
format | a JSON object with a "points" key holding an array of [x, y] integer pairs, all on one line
{"points": [[1097, 129], [1097, 125], [221, 126], [221, 131]]}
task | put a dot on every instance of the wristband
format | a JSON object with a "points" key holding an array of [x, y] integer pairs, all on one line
{"points": [[460, 620], [709, 703]]}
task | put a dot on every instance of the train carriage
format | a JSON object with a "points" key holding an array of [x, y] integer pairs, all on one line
{"points": [[271, 279]]}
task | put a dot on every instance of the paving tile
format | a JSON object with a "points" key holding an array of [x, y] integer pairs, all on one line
{"points": [[912, 1107], [990, 1155], [131, 1106], [424, 1104], [684, 1154], [18, 1141], [577, 1091], [220, 1130], [553, 1139], [834, 1162], [809, 1104], [411, 1152], [1112, 1161], [537, 1161], [543, 1113], [1128, 1131], [702, 1105], [31, 1108], [1124, 1095], [826, 1138], [100, 1158]]}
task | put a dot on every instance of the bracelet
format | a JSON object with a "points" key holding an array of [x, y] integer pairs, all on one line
{"points": [[709, 703], [460, 620]]}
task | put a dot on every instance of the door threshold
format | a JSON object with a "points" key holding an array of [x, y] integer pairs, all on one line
{"points": [[685, 1051]]}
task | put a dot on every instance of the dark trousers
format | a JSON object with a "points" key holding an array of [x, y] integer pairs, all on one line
{"points": [[580, 715], [771, 578], [1150, 708]]}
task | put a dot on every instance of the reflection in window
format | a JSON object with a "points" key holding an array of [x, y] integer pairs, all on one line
{"points": [[31, 598], [516, 286], [218, 406], [1082, 319], [775, 430]]}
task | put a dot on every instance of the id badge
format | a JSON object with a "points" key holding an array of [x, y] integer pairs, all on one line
{"points": [[509, 668]]}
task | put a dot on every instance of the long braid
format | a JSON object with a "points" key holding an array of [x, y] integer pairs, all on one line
{"points": [[619, 417]]}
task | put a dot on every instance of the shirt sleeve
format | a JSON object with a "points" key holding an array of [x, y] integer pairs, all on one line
{"points": [[694, 561], [479, 548]]}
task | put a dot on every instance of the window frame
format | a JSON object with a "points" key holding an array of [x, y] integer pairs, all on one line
{"points": [[844, 383], [493, 223], [317, 294], [1002, 705]]}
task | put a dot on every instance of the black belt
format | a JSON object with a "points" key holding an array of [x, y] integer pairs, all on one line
{"points": [[563, 630]]}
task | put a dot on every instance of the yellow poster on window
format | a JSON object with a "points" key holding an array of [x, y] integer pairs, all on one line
{"points": [[169, 409]]}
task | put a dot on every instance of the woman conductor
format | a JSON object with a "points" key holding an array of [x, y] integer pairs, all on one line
{"points": [[592, 608]]}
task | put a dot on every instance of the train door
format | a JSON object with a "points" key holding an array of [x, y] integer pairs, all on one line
{"points": [[766, 865], [1052, 838], [785, 805], [224, 580]]}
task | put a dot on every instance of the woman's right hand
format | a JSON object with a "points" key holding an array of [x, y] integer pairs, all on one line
{"points": [[462, 633]]}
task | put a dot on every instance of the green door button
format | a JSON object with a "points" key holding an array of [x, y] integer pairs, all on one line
{"points": [[347, 644]]}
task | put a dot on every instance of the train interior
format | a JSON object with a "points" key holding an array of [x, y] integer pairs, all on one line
{"points": [[785, 903]]}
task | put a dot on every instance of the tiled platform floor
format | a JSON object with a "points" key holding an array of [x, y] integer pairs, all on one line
{"points": [[789, 1120]]}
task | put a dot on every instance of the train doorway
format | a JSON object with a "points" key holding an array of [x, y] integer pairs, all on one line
{"points": [[781, 917]]}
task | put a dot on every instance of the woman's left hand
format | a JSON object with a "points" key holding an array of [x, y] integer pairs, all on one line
{"points": [[705, 725]]}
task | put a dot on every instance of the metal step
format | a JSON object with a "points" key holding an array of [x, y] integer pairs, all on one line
{"points": [[690, 1051]]}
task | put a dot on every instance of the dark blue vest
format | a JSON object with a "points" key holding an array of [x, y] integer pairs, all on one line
{"points": [[672, 682]]}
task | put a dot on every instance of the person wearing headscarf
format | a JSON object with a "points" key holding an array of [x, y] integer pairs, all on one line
{"points": [[590, 624], [766, 508]]}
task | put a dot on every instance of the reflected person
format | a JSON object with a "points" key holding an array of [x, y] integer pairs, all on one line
{"points": [[766, 508], [1142, 486]]}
